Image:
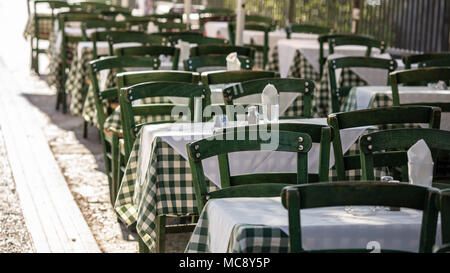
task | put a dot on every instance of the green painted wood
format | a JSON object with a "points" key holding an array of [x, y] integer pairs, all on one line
{"points": [[152, 50], [305, 28], [423, 75], [420, 58], [444, 206], [202, 50], [105, 24], [196, 63], [222, 144], [399, 139], [370, 193], [105, 9], [348, 62], [356, 40], [442, 62], [305, 88], [371, 117], [136, 77], [221, 77], [196, 39]]}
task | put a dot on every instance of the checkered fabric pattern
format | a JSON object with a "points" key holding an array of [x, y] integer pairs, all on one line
{"points": [[167, 190], [259, 60], [244, 238], [55, 61], [45, 27], [273, 61]]}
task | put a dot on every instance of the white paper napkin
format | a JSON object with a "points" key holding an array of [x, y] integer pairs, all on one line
{"points": [[269, 98], [233, 62], [420, 164]]}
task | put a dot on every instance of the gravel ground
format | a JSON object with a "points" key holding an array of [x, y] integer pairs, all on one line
{"points": [[14, 236]]}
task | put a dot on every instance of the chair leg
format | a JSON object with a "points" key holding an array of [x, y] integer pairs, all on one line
{"points": [[58, 99], [160, 234], [85, 129], [36, 69], [115, 158], [142, 246], [33, 62]]}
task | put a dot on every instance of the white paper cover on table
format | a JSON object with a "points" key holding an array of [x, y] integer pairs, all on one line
{"points": [[233, 63], [420, 164], [269, 98]]}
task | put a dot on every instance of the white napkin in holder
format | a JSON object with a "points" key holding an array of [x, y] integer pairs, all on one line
{"points": [[270, 103], [420, 164], [233, 62], [185, 48]]}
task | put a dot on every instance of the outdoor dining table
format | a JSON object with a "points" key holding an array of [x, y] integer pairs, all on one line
{"points": [[364, 97], [260, 225], [158, 181]]}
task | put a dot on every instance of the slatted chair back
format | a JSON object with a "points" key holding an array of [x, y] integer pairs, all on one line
{"points": [[217, 62], [102, 97], [65, 18], [171, 26], [304, 89], [375, 117], [264, 48], [392, 145], [151, 50], [258, 19], [305, 28], [221, 145], [341, 92], [422, 75], [153, 90], [105, 25], [420, 58], [328, 38], [203, 50], [225, 77], [370, 193], [444, 62], [320, 134], [103, 8], [196, 39]]}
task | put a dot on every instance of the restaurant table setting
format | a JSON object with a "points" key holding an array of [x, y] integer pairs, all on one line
{"points": [[157, 179]]}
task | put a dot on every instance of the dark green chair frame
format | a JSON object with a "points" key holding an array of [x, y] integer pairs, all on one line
{"points": [[221, 77], [420, 58], [225, 49], [373, 117], [194, 63], [305, 28], [152, 50], [319, 195]]}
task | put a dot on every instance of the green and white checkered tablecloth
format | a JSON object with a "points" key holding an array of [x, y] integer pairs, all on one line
{"points": [[244, 238], [45, 26]]}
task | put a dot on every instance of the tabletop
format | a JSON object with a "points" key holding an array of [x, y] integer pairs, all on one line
{"points": [[235, 225]]}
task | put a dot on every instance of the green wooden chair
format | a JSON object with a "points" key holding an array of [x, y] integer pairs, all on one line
{"points": [[328, 38], [304, 88], [110, 141], [423, 75], [258, 19], [224, 77], [116, 37], [107, 25], [421, 58], [203, 50], [257, 185], [320, 134], [341, 92], [68, 17], [151, 50], [171, 26], [196, 39], [373, 117], [155, 89], [392, 145], [299, 197], [444, 207], [305, 28], [264, 49], [216, 62], [39, 34]]}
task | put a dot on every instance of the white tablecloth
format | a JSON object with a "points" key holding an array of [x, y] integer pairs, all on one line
{"points": [[322, 228], [178, 135], [310, 49], [407, 94]]}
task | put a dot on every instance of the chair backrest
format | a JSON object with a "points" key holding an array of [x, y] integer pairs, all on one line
{"points": [[102, 24], [115, 37], [426, 75], [420, 58], [371, 193], [217, 62], [305, 28], [260, 20], [221, 145], [151, 50], [338, 93], [304, 88], [384, 142], [356, 40], [104, 8], [320, 134], [373, 117], [127, 79], [215, 15], [116, 63], [222, 77], [202, 50], [171, 26], [443, 62], [196, 39], [444, 206]]}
